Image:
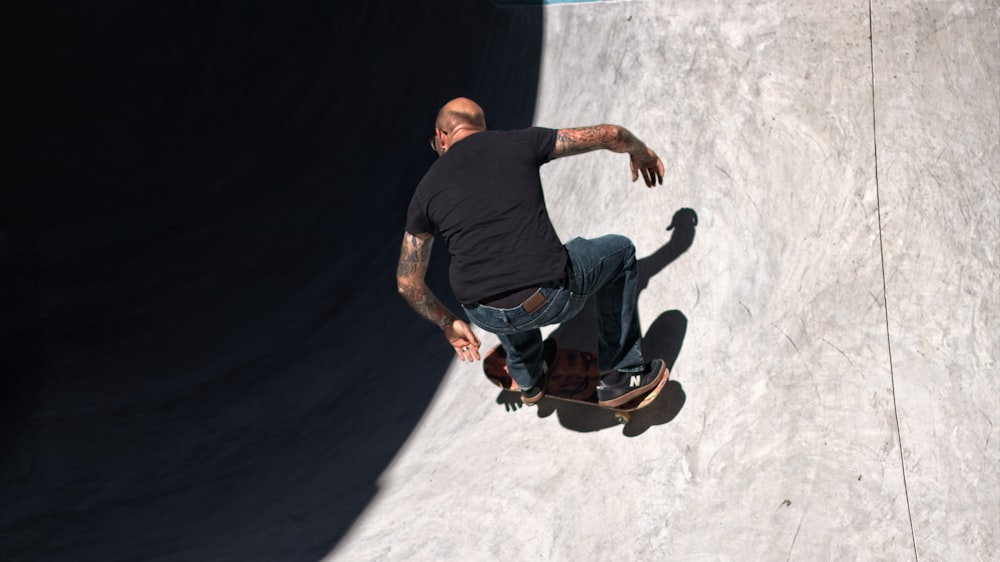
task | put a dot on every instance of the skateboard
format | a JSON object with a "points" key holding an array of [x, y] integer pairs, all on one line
{"points": [[573, 377]]}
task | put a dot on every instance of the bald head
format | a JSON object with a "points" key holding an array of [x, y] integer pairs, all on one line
{"points": [[458, 119], [461, 112]]}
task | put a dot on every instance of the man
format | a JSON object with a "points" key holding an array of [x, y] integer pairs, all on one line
{"points": [[509, 269]]}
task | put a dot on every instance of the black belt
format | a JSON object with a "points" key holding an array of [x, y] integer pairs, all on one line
{"points": [[519, 297]]}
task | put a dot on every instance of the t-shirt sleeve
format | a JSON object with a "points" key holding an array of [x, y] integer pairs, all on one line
{"points": [[417, 221], [542, 142]]}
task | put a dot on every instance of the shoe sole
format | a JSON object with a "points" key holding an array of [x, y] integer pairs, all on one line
{"points": [[532, 400], [636, 393]]}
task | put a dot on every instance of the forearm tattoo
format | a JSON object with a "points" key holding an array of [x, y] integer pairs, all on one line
{"points": [[585, 139], [413, 260]]}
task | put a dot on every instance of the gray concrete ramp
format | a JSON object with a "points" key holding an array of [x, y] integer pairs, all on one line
{"points": [[827, 298], [937, 84]]}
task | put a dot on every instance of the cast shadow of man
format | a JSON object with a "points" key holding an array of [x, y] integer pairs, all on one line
{"points": [[663, 339]]}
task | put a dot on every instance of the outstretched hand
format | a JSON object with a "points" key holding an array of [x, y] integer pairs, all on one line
{"points": [[649, 164], [461, 338]]}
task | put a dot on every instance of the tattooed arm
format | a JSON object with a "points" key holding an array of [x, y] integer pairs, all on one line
{"points": [[616, 139], [413, 259]]}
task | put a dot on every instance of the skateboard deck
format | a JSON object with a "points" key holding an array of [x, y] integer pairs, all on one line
{"points": [[573, 377]]}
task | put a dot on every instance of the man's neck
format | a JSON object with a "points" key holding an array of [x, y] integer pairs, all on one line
{"points": [[462, 131]]}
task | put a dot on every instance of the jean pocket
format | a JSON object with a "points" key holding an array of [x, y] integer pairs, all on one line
{"points": [[557, 299]]}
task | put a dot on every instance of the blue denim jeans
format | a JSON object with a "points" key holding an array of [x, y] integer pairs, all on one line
{"points": [[602, 267]]}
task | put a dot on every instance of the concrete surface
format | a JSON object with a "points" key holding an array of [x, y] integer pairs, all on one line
{"points": [[204, 357], [837, 382]]}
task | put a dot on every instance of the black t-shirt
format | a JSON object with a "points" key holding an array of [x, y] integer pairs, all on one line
{"points": [[485, 198]]}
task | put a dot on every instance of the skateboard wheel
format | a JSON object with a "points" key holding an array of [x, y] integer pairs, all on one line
{"points": [[622, 417]]}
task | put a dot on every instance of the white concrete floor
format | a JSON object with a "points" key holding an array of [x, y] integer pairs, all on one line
{"points": [[837, 384]]}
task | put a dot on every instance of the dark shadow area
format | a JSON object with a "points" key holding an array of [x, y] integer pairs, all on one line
{"points": [[683, 225], [201, 335], [663, 339]]}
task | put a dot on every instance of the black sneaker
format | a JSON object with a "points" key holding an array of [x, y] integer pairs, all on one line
{"points": [[533, 394], [618, 388]]}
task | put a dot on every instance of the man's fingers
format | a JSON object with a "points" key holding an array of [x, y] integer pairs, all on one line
{"points": [[473, 347], [654, 177], [469, 352], [463, 340], [651, 168], [653, 174]]}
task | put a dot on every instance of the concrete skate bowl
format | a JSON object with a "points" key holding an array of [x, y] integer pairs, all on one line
{"points": [[204, 356]]}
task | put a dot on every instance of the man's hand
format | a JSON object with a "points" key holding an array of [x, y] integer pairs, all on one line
{"points": [[647, 162], [465, 342]]}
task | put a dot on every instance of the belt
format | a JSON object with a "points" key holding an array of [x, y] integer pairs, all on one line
{"points": [[531, 298]]}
